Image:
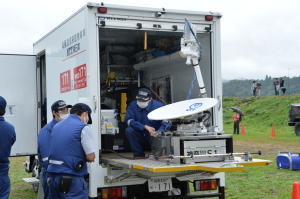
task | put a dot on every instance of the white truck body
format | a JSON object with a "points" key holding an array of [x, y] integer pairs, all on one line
{"points": [[67, 64]]}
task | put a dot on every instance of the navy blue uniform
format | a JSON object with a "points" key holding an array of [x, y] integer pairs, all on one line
{"points": [[136, 119], [67, 158], [43, 152], [7, 139]]}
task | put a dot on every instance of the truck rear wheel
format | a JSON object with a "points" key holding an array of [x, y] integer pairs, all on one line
{"points": [[297, 128]]}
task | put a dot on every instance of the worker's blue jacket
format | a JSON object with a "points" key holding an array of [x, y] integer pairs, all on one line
{"points": [[66, 152], [44, 143], [136, 117], [7, 139]]}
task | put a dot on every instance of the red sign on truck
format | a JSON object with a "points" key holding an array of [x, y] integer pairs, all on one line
{"points": [[65, 81], [80, 77]]}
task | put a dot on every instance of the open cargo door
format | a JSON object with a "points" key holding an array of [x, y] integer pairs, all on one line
{"points": [[18, 84]]}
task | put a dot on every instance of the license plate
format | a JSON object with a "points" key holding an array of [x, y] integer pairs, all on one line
{"points": [[160, 184]]}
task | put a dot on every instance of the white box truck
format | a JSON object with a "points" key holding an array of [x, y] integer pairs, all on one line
{"points": [[100, 56]]}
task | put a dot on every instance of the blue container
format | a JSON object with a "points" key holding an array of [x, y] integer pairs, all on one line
{"points": [[288, 161], [283, 161], [295, 162]]}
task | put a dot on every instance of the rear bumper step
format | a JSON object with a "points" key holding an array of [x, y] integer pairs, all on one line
{"points": [[32, 180]]}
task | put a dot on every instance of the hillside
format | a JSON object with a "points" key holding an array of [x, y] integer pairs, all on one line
{"points": [[266, 182], [242, 88], [260, 113]]}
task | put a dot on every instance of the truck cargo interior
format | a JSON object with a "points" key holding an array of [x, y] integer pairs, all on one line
{"points": [[42, 91], [130, 59]]}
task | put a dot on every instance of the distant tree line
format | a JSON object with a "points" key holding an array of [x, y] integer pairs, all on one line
{"points": [[242, 88]]}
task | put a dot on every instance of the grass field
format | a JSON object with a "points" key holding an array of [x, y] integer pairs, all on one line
{"points": [[19, 188], [267, 182]]}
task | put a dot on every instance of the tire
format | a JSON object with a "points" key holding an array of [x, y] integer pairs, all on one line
{"points": [[297, 128]]}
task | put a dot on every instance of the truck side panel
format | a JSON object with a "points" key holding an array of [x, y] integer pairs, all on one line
{"points": [[72, 72]]}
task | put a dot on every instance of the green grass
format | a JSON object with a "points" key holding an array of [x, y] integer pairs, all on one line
{"points": [[260, 182], [267, 182], [19, 188]]}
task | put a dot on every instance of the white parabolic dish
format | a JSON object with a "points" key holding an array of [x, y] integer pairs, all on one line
{"points": [[182, 109]]}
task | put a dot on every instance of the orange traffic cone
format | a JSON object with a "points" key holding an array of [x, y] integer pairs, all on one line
{"points": [[296, 190], [273, 132], [243, 130]]}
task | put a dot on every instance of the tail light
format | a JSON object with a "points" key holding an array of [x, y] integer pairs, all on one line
{"points": [[205, 185], [114, 192], [209, 18], [102, 10], [104, 193]]}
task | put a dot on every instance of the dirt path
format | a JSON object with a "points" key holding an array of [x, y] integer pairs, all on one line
{"points": [[268, 150]]}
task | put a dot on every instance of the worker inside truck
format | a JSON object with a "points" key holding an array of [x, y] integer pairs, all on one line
{"points": [[140, 128]]}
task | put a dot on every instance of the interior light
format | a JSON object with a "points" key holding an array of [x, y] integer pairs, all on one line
{"points": [[102, 10], [209, 18]]}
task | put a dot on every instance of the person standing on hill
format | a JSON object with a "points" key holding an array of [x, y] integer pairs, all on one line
{"points": [[258, 88], [236, 122], [276, 86], [282, 85], [253, 88], [7, 139]]}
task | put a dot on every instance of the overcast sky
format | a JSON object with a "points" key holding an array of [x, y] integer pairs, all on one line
{"points": [[258, 37]]}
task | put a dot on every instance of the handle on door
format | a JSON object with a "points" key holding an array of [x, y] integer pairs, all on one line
{"points": [[95, 103], [219, 99]]}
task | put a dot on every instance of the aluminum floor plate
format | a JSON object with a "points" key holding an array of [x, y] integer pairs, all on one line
{"points": [[158, 166]]}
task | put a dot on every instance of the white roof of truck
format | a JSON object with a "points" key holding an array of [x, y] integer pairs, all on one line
{"points": [[131, 9]]}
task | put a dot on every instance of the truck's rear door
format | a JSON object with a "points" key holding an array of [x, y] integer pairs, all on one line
{"points": [[18, 85]]}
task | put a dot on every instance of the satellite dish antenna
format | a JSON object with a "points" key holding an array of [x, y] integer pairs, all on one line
{"points": [[182, 109]]}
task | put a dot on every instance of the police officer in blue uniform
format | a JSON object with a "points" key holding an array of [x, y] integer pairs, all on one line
{"points": [[71, 146], [7, 139], [140, 128], [60, 111]]}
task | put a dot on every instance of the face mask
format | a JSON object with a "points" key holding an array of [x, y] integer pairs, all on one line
{"points": [[63, 116], [142, 104]]}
